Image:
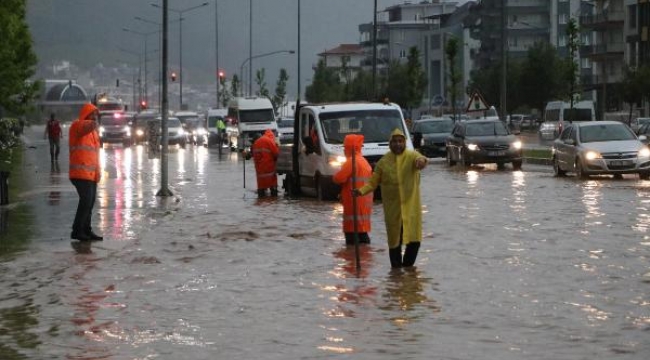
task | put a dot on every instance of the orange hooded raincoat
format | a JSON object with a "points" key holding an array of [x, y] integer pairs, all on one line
{"points": [[344, 178], [265, 155], [83, 141]]}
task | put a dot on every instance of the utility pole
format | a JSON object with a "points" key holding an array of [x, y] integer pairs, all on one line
{"points": [[374, 52], [504, 58]]}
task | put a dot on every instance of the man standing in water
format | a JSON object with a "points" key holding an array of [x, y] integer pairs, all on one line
{"points": [[398, 173], [265, 155], [84, 169]]}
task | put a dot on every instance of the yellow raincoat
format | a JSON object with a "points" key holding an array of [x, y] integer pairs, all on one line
{"points": [[400, 192]]}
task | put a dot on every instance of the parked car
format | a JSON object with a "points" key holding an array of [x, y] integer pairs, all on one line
{"points": [[481, 142], [285, 130], [430, 135], [600, 147], [639, 122], [645, 131]]}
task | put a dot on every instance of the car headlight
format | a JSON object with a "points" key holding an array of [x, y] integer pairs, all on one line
{"points": [[592, 155], [127, 130], [472, 147], [201, 131], [336, 160], [181, 131], [516, 145], [644, 152], [139, 132]]}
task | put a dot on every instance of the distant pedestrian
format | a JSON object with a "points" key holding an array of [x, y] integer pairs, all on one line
{"points": [[344, 177], [54, 134], [398, 173], [84, 171], [265, 155]]}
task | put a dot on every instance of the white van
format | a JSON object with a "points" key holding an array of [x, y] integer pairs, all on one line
{"points": [[321, 130], [557, 113], [251, 115]]}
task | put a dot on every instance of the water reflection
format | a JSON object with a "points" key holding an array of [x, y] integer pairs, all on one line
{"points": [[591, 198], [405, 290], [54, 196]]}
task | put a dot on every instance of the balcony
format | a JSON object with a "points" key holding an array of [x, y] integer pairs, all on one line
{"points": [[604, 51], [603, 20]]}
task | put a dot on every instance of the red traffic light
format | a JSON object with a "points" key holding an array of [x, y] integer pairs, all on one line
{"points": [[173, 76], [143, 105], [222, 74]]}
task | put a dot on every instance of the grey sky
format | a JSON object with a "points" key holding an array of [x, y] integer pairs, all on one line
{"points": [[99, 23]]}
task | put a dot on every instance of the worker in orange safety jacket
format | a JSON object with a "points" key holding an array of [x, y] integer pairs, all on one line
{"points": [[85, 172], [265, 155], [344, 177]]}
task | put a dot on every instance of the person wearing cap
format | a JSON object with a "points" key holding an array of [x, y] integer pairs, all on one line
{"points": [[265, 155], [398, 174], [85, 172]]}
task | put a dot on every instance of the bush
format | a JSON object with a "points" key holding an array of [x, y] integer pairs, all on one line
{"points": [[10, 130]]}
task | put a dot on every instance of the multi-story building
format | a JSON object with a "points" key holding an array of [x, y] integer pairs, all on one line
{"points": [[345, 58]]}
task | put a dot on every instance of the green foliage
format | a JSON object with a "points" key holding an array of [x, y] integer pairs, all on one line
{"points": [[260, 80], [326, 85], [17, 58], [10, 130], [279, 99], [571, 67], [360, 89], [417, 79], [542, 76], [454, 75], [235, 85]]}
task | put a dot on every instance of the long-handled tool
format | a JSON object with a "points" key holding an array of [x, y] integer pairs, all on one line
{"points": [[354, 212]]}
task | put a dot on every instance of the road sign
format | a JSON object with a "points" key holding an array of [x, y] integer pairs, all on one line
{"points": [[438, 100], [476, 103]]}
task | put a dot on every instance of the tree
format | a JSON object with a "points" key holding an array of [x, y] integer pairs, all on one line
{"points": [[326, 85], [234, 85], [455, 76], [573, 44], [630, 89], [17, 59], [224, 94], [416, 77], [261, 83], [540, 79], [360, 88], [279, 99]]}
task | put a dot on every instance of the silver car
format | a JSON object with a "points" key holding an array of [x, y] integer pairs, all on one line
{"points": [[600, 147]]}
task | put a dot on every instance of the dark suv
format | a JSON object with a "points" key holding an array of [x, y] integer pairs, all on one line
{"points": [[114, 127], [481, 142]]}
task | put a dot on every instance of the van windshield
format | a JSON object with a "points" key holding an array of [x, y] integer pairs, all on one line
{"points": [[258, 115], [212, 120], [374, 125], [577, 114]]}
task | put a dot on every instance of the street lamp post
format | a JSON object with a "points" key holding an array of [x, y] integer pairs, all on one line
{"points": [[241, 67], [180, 13], [144, 35]]}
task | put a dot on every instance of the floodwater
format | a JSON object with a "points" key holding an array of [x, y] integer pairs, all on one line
{"points": [[513, 265]]}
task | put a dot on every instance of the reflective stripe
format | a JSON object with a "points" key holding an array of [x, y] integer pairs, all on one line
{"points": [[84, 167], [83, 147], [263, 175], [359, 217]]}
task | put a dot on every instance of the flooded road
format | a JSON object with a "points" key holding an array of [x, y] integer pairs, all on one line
{"points": [[514, 265]]}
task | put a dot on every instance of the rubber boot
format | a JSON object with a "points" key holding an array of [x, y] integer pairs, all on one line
{"points": [[395, 257], [411, 253], [274, 191], [261, 193]]}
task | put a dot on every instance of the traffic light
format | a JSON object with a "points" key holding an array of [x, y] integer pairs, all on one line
{"points": [[222, 74], [173, 75], [143, 105]]}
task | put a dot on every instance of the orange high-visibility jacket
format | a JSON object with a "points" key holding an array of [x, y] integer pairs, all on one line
{"points": [[265, 154], [83, 141], [344, 178]]}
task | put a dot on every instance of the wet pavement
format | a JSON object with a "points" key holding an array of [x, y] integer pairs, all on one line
{"points": [[514, 265]]}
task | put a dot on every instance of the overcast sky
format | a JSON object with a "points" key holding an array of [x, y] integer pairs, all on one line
{"points": [[324, 23]]}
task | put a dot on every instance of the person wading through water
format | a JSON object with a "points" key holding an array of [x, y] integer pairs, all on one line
{"points": [[265, 155], [398, 173], [54, 134]]}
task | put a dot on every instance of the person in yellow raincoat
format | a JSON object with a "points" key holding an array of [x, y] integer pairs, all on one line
{"points": [[398, 173]]}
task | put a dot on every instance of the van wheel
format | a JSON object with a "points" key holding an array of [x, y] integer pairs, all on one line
{"points": [[644, 175], [465, 158], [288, 185], [517, 164], [323, 193]]}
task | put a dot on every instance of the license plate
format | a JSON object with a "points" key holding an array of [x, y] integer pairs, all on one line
{"points": [[496, 153], [620, 162]]}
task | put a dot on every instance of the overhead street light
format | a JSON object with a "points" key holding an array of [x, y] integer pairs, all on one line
{"points": [[144, 35], [180, 13], [241, 67]]}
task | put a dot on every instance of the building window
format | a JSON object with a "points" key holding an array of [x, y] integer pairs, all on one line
{"points": [[402, 54], [562, 19], [586, 64], [562, 41], [631, 16], [435, 41], [586, 39]]}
